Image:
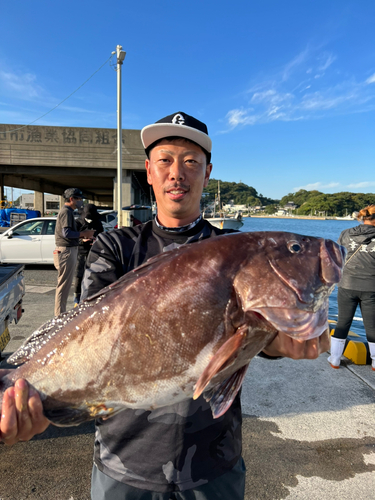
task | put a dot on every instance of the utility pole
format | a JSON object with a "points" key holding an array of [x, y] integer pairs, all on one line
{"points": [[120, 58]]}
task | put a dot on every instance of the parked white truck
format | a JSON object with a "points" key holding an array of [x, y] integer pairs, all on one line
{"points": [[12, 290]]}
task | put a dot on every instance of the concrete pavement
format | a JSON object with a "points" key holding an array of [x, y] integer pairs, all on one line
{"points": [[308, 430]]}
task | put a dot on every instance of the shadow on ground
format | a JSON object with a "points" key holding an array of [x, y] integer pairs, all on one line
{"points": [[58, 463], [273, 463]]}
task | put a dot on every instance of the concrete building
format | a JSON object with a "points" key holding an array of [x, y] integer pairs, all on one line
{"points": [[51, 159], [51, 202]]}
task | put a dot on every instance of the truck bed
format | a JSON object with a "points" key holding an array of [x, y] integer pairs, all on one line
{"points": [[7, 270]]}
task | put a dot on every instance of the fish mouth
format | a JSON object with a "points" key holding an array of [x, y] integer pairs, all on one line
{"points": [[297, 323]]}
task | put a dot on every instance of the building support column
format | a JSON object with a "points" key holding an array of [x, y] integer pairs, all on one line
{"points": [[61, 202], [39, 202], [127, 195]]}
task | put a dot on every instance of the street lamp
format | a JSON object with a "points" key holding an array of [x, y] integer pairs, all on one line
{"points": [[120, 58]]}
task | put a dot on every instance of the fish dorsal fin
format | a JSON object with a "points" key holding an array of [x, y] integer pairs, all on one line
{"points": [[222, 396], [224, 355], [42, 335], [35, 342]]}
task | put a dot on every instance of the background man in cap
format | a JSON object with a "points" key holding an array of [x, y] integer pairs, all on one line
{"points": [[178, 452], [66, 251]]}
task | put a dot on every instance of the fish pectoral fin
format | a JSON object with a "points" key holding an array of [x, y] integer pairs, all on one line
{"points": [[224, 356], [69, 416], [222, 396]]}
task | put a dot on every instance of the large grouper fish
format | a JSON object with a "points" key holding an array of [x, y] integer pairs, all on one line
{"points": [[186, 322]]}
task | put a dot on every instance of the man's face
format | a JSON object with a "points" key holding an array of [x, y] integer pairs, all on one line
{"points": [[76, 202], [178, 173]]}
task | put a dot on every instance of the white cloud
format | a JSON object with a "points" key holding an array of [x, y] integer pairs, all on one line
{"points": [[237, 117], [361, 184], [318, 101], [271, 96], [317, 186], [24, 84], [294, 63], [329, 59], [75, 109], [305, 88]]}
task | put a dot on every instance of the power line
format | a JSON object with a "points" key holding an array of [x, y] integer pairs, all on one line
{"points": [[66, 98]]}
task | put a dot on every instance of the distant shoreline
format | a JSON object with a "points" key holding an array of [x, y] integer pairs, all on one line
{"points": [[305, 217]]}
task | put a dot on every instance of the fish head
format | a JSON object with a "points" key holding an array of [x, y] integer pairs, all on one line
{"points": [[288, 281]]}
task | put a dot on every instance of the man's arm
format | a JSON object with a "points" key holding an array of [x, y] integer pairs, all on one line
{"points": [[104, 265], [67, 232], [68, 225]]}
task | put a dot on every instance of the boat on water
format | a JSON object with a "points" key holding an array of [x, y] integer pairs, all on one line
{"points": [[221, 220], [347, 217]]}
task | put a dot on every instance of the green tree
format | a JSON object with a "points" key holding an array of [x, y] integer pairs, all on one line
{"points": [[240, 193], [270, 209]]}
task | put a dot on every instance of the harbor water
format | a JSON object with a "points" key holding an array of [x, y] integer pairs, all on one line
{"points": [[329, 229]]}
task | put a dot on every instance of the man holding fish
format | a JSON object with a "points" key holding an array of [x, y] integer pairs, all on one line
{"points": [[178, 451]]}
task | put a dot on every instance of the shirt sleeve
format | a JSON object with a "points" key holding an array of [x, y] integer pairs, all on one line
{"points": [[67, 232], [103, 266]]}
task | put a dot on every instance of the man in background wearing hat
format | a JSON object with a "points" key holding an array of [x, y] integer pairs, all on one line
{"points": [[66, 251], [177, 452]]}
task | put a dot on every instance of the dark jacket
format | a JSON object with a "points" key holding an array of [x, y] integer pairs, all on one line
{"points": [[175, 447], [89, 219], [359, 272]]}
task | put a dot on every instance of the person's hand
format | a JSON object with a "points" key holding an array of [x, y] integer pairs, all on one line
{"points": [[87, 233], [21, 413], [286, 346]]}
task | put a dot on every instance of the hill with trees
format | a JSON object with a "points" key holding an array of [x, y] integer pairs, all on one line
{"points": [[336, 204], [307, 202], [238, 192]]}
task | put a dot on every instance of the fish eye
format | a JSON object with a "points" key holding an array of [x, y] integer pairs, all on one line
{"points": [[294, 247]]}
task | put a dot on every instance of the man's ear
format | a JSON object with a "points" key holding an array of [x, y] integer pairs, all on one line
{"points": [[148, 170], [207, 174]]}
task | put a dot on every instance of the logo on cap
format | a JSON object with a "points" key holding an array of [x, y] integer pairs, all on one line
{"points": [[179, 119]]}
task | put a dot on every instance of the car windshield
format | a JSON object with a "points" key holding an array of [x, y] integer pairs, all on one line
{"points": [[29, 228]]}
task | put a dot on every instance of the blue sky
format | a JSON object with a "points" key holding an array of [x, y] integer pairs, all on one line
{"points": [[287, 88]]}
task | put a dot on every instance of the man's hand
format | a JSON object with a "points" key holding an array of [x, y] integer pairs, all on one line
{"points": [[286, 346], [21, 414], [87, 233]]}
